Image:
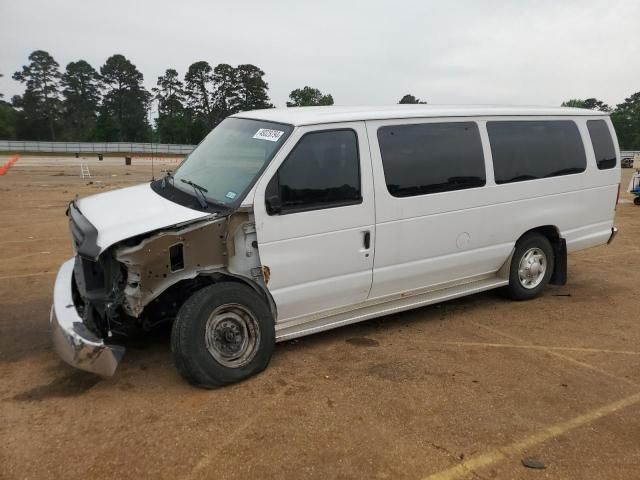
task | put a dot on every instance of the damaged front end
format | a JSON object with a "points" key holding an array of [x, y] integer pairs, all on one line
{"points": [[168, 257], [141, 282]]}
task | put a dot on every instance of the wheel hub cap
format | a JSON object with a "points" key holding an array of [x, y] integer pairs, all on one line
{"points": [[232, 335], [532, 267]]}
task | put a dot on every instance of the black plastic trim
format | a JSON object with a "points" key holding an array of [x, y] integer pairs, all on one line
{"points": [[85, 235]]}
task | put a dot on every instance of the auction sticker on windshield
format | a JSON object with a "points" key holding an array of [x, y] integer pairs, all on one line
{"points": [[268, 134]]}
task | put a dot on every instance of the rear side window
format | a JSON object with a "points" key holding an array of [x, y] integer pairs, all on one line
{"points": [[602, 143], [322, 171], [528, 150], [431, 157]]}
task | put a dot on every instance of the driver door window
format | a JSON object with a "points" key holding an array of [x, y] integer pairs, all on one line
{"points": [[322, 171]]}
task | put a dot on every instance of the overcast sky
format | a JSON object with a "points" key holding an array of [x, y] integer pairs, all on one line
{"points": [[363, 52]]}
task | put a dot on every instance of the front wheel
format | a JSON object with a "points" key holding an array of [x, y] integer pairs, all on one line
{"points": [[223, 334], [531, 267]]}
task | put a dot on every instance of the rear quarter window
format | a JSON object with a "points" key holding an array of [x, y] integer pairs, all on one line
{"points": [[530, 150], [602, 143]]}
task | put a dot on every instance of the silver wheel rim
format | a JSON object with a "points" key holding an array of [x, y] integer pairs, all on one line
{"points": [[532, 267], [232, 335]]}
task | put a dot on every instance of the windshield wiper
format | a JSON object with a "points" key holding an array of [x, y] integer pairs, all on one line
{"points": [[198, 189]]}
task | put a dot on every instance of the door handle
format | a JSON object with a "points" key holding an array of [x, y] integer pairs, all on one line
{"points": [[367, 240]]}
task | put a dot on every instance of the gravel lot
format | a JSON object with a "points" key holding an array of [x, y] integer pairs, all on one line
{"points": [[465, 389]]}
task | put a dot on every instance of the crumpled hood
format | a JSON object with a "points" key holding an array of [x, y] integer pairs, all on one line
{"points": [[127, 212]]}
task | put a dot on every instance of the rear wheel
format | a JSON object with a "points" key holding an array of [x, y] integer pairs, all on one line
{"points": [[531, 267], [223, 333], [636, 201]]}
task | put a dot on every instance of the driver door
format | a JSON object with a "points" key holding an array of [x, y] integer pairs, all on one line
{"points": [[315, 221]]}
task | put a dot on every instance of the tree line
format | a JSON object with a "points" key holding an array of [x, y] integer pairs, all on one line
{"points": [[625, 117], [111, 104]]}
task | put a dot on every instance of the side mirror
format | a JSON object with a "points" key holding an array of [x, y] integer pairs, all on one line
{"points": [[274, 204]]}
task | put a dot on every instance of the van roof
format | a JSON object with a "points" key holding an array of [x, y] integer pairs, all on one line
{"points": [[314, 115]]}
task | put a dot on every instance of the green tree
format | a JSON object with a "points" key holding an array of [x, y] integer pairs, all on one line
{"points": [[308, 97], [81, 91], [7, 121], [226, 91], [410, 99], [39, 106], [198, 83], [171, 124], [626, 120], [123, 113], [589, 103], [214, 94], [252, 90]]}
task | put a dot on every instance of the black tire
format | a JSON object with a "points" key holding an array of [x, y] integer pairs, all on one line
{"points": [[516, 290], [193, 340], [636, 201]]}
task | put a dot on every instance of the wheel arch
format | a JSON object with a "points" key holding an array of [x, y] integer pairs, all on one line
{"points": [[180, 291], [259, 288], [559, 245]]}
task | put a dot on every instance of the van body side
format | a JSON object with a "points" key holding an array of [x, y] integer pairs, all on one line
{"points": [[287, 222]]}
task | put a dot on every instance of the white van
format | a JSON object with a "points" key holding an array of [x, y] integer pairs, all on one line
{"points": [[287, 222]]}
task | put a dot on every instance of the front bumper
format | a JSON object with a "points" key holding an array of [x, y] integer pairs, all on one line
{"points": [[72, 340]]}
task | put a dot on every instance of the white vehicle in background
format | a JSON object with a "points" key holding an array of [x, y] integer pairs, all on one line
{"points": [[287, 222]]}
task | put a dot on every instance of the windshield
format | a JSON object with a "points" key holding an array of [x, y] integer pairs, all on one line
{"points": [[228, 160]]}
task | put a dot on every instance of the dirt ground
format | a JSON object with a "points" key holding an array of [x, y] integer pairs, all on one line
{"points": [[465, 389]]}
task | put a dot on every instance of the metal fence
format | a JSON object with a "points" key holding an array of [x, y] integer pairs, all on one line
{"points": [[16, 146]]}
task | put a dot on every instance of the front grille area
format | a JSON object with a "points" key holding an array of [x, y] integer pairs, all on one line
{"points": [[98, 280], [90, 278], [98, 288]]}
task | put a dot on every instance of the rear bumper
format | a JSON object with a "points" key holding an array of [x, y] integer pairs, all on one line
{"points": [[614, 232], [72, 340]]}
